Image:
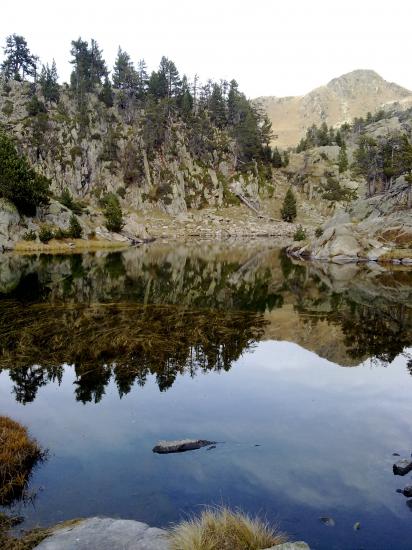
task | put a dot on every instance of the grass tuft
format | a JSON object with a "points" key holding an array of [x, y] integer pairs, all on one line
{"points": [[223, 529], [18, 454]]}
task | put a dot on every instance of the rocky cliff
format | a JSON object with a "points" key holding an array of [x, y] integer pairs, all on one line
{"points": [[149, 157], [341, 100]]}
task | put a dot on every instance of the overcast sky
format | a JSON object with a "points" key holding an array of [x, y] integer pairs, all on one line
{"points": [[270, 47]]}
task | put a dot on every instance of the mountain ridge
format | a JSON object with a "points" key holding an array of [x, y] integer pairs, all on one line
{"points": [[343, 98]]}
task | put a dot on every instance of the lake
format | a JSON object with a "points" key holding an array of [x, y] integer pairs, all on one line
{"points": [[300, 372]]}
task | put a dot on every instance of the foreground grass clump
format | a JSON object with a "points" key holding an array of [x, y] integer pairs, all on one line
{"points": [[26, 541], [18, 454], [222, 529]]}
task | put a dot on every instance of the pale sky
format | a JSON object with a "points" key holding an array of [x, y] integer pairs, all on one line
{"points": [[270, 47]]}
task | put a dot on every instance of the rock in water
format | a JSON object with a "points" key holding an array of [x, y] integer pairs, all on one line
{"points": [[326, 520], [402, 467], [407, 491], [181, 445]]}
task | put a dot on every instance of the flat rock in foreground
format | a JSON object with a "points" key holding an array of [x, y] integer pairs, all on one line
{"points": [[106, 534], [181, 445]]}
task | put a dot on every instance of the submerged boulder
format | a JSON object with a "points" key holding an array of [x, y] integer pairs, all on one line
{"points": [[181, 445]]}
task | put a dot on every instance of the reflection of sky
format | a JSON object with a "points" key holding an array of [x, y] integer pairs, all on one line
{"points": [[327, 435]]}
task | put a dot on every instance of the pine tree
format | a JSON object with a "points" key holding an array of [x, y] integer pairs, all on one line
{"points": [[232, 103], [288, 210], [48, 82], [142, 78], [124, 74], [106, 93], [276, 158], [113, 213], [170, 75], [89, 67], [185, 100], [343, 159], [217, 107], [75, 229], [19, 183], [19, 62]]}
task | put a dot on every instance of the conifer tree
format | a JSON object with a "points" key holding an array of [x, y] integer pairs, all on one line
{"points": [[48, 82], [288, 210], [106, 93], [343, 159], [19, 62], [276, 158]]}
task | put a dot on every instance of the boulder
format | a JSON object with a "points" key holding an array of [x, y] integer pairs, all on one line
{"points": [[344, 245], [106, 534], [402, 467], [181, 445], [10, 227], [299, 545], [407, 491]]}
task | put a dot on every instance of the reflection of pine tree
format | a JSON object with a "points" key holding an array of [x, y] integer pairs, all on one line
{"points": [[409, 366]]}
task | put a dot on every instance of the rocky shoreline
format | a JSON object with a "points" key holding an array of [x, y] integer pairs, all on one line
{"points": [[119, 534]]}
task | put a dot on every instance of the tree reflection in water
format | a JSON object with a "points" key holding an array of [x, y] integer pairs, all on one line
{"points": [[169, 312]]}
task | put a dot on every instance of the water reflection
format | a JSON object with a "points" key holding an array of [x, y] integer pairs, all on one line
{"points": [[166, 312]]}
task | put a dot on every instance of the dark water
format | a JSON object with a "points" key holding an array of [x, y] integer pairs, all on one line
{"points": [[303, 373]]}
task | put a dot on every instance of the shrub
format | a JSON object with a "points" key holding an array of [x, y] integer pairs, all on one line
{"points": [[18, 454], [221, 529], [8, 108], [46, 233], [35, 106], [300, 234], [333, 191], [121, 192], [113, 213], [19, 183], [318, 232], [67, 200], [75, 229], [30, 235], [288, 211]]}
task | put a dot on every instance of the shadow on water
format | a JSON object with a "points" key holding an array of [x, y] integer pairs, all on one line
{"points": [[162, 312]]}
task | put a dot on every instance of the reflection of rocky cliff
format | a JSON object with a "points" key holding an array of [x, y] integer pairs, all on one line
{"points": [[162, 311]]}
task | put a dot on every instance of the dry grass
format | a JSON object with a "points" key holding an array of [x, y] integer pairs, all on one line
{"points": [[222, 529], [68, 245], [18, 454]]}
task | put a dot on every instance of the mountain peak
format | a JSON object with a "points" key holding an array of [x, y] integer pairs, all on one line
{"points": [[350, 95]]}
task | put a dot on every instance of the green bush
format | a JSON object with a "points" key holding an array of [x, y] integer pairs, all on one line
{"points": [[30, 235], [300, 234], [19, 183], [333, 191], [35, 106], [288, 211], [67, 200], [121, 192], [113, 213], [46, 234], [8, 108]]}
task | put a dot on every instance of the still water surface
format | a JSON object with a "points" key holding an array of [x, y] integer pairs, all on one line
{"points": [[301, 373]]}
